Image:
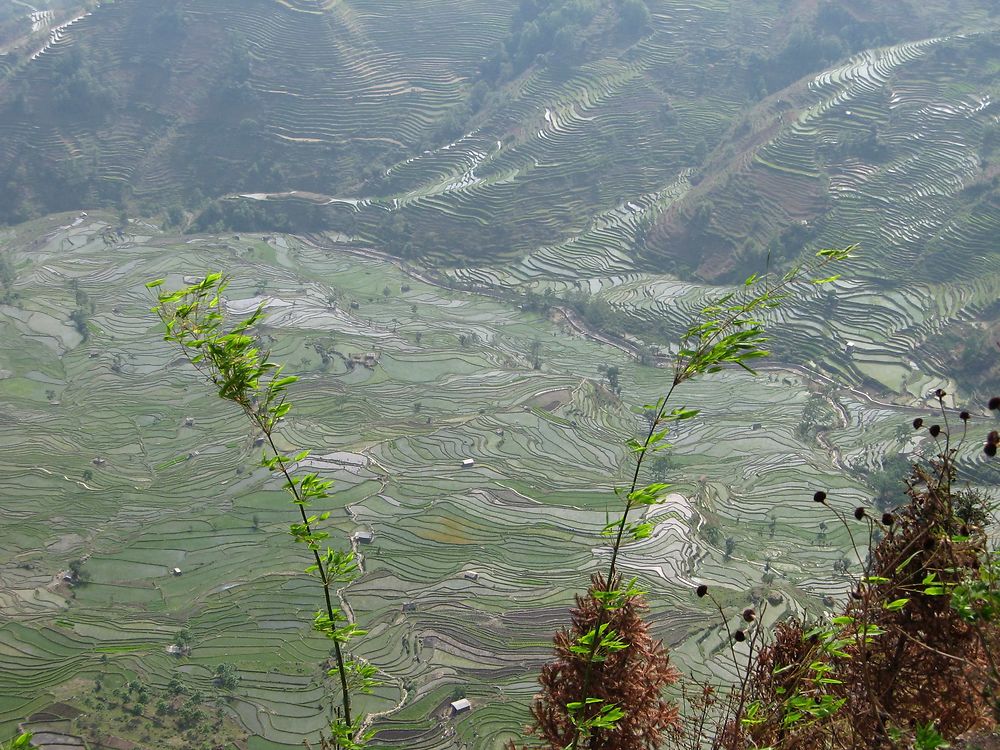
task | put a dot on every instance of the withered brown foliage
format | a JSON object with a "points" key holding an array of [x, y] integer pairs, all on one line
{"points": [[633, 679], [921, 662]]}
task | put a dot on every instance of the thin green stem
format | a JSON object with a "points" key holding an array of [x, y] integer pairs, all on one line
{"points": [[218, 370], [323, 573], [686, 367], [612, 568]]}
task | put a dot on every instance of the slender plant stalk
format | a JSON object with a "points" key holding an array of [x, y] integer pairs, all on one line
{"points": [[612, 567], [323, 574], [243, 375], [734, 338]]}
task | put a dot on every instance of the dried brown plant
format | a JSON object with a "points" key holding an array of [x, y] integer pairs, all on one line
{"points": [[633, 679], [899, 655]]}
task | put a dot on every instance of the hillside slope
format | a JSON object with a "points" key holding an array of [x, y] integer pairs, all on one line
{"points": [[488, 130]]}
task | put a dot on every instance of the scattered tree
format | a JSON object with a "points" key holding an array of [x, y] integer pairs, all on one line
{"points": [[535, 356], [226, 677]]}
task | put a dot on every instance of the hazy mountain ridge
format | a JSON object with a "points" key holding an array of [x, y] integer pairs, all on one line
{"points": [[456, 130]]}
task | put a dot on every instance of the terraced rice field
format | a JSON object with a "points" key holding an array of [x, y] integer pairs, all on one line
{"points": [[344, 105], [924, 261], [597, 136], [117, 455], [927, 254]]}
